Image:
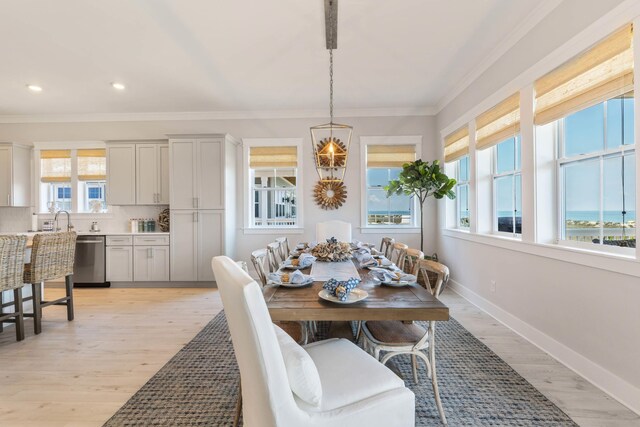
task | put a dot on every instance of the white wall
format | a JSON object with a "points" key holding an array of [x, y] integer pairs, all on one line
{"points": [[258, 128], [586, 317]]}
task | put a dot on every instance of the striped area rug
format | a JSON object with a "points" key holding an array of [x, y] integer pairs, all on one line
{"points": [[198, 386]]}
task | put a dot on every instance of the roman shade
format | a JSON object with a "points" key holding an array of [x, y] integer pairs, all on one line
{"points": [[498, 123], [456, 144], [390, 156], [92, 165], [602, 72], [273, 157], [55, 165]]}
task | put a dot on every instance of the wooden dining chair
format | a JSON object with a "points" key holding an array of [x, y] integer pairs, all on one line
{"points": [[434, 275], [52, 257], [273, 256], [398, 251], [299, 331], [411, 261], [11, 267], [396, 337], [284, 247], [386, 245]]}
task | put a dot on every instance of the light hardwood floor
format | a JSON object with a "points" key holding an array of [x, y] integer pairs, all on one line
{"points": [[79, 373]]}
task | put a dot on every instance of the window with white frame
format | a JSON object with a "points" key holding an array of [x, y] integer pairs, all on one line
{"points": [[384, 163], [73, 180], [597, 174], [273, 180], [507, 187], [462, 193], [590, 99], [456, 152]]}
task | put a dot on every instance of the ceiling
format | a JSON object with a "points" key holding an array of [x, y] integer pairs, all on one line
{"points": [[244, 55]]}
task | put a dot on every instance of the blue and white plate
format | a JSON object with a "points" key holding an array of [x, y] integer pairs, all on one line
{"points": [[354, 296]]}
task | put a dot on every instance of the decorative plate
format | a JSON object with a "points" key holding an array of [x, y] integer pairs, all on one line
{"points": [[354, 296], [307, 282], [405, 280], [330, 194]]}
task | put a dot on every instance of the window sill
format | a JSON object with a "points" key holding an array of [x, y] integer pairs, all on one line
{"points": [[618, 263], [390, 229], [273, 230]]}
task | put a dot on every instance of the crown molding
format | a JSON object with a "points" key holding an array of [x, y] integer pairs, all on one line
{"points": [[216, 115], [530, 21]]}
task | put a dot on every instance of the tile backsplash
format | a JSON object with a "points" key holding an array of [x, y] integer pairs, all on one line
{"points": [[116, 220]]}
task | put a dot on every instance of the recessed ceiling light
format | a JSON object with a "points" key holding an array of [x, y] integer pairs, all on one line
{"points": [[34, 88], [117, 86]]}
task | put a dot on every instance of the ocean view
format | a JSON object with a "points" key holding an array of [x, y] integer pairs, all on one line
{"points": [[589, 216]]}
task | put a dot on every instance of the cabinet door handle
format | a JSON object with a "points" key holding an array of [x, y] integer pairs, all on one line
{"points": [[116, 249]]}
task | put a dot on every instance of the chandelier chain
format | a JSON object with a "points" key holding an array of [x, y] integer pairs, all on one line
{"points": [[331, 84]]}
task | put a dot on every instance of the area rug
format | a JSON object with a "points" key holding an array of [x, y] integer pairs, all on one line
{"points": [[198, 386]]}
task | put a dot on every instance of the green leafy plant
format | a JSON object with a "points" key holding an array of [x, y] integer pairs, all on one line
{"points": [[422, 180]]}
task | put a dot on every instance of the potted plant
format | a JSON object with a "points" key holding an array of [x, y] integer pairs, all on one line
{"points": [[422, 180]]}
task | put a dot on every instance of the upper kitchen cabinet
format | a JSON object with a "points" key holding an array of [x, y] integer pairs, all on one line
{"points": [[152, 174], [138, 173], [201, 169], [121, 174], [15, 175]]}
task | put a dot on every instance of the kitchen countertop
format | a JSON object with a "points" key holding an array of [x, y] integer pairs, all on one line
{"points": [[91, 233]]}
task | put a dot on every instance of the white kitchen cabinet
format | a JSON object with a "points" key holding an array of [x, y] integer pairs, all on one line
{"points": [[203, 198], [151, 263], [184, 238], [121, 174], [152, 174], [119, 263], [15, 175]]}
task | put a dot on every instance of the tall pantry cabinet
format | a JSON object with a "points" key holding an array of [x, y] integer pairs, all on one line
{"points": [[202, 184]]}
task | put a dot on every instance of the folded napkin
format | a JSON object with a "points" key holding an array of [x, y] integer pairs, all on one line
{"points": [[368, 261], [383, 275], [362, 253], [306, 260], [341, 290], [294, 277]]}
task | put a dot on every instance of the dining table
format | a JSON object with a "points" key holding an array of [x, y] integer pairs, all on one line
{"points": [[407, 303]]}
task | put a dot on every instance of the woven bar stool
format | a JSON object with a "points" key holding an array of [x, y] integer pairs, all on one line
{"points": [[11, 266], [52, 257]]}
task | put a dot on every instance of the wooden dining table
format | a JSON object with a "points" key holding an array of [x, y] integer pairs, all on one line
{"points": [[412, 302]]}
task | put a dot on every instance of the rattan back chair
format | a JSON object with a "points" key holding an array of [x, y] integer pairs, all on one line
{"points": [[52, 257], [435, 274], [258, 259], [411, 261], [386, 245], [11, 267]]}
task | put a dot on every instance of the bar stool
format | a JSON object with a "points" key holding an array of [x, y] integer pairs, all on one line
{"points": [[52, 257], [11, 266]]}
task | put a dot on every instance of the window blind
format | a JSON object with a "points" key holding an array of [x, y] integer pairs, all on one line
{"points": [[390, 156], [602, 72], [55, 165], [92, 165], [498, 123], [456, 144], [273, 157]]}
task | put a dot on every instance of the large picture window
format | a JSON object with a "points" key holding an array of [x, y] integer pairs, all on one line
{"points": [[273, 177], [597, 174], [384, 164], [73, 180]]}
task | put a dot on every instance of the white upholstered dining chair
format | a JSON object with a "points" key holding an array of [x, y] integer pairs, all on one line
{"points": [[339, 229], [355, 389]]}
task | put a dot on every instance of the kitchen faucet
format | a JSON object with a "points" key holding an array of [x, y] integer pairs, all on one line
{"points": [[69, 225]]}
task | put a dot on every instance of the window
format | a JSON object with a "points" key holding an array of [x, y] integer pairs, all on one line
{"points": [[73, 180], [597, 174], [384, 164], [462, 192], [273, 180], [507, 187]]}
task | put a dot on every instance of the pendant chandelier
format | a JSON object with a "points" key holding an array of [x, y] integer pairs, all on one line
{"points": [[331, 140]]}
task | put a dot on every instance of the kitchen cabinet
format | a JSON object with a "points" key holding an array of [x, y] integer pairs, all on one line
{"points": [[119, 263], [203, 205], [121, 174], [15, 175], [151, 263], [152, 174]]}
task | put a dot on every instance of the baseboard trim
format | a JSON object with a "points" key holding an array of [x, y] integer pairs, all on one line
{"points": [[614, 386]]}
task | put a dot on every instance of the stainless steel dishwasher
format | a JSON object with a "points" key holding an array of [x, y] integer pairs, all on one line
{"points": [[89, 268]]}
